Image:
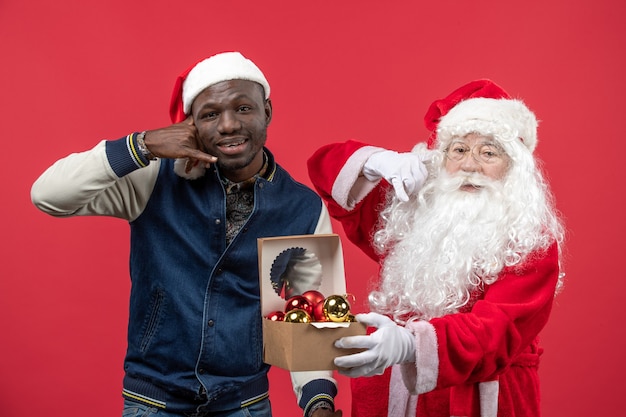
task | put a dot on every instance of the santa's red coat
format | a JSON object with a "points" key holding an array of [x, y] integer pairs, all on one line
{"points": [[493, 341]]}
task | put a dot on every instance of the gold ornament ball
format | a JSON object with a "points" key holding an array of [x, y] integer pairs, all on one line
{"points": [[337, 308], [297, 315]]}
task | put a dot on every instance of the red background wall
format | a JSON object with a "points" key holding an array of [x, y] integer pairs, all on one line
{"points": [[74, 72]]}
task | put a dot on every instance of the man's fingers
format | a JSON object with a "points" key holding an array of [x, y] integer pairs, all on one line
{"points": [[325, 412], [198, 155], [203, 160], [189, 164]]}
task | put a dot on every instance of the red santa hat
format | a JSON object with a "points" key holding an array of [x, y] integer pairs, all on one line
{"points": [[217, 68], [481, 106]]}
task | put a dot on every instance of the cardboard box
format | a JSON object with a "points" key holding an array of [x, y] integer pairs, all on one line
{"points": [[289, 266]]}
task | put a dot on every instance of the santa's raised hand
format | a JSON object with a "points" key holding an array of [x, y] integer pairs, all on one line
{"points": [[406, 171]]}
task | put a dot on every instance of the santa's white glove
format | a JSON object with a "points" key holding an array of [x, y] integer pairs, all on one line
{"points": [[388, 345], [405, 171]]}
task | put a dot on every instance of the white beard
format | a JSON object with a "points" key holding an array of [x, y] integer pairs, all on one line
{"points": [[444, 245]]}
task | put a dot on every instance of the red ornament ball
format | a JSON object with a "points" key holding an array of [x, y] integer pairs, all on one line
{"points": [[318, 311], [276, 316], [301, 302], [313, 296]]}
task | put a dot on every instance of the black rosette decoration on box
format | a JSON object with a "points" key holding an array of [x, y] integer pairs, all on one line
{"points": [[294, 271]]}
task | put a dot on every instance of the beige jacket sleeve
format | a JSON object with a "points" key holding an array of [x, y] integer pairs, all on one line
{"points": [[84, 184]]}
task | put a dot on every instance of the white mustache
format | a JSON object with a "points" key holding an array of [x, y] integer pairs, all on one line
{"points": [[453, 182]]}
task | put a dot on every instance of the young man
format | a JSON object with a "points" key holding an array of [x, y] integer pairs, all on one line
{"points": [[197, 195], [469, 243]]}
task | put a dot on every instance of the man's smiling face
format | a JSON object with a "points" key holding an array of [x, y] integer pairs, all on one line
{"points": [[232, 119]]}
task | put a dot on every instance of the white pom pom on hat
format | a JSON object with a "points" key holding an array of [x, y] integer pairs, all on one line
{"points": [[224, 66], [484, 107]]}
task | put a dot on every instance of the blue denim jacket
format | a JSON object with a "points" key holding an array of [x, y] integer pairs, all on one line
{"points": [[195, 333]]}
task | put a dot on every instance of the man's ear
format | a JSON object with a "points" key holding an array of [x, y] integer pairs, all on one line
{"points": [[268, 111]]}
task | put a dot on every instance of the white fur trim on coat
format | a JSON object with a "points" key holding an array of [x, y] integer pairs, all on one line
{"points": [[421, 376], [401, 402], [350, 187], [488, 393]]}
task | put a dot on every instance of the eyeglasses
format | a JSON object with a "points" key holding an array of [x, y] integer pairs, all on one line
{"points": [[487, 153]]}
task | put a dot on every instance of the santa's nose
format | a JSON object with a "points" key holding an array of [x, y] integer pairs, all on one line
{"points": [[470, 164]]}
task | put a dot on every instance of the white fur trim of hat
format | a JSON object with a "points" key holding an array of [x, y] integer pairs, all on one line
{"points": [[504, 119], [217, 68]]}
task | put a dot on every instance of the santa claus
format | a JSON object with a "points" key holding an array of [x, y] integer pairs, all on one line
{"points": [[468, 240]]}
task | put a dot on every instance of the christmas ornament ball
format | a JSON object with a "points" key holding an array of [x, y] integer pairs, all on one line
{"points": [[318, 311], [301, 302], [313, 296], [336, 308], [276, 316], [297, 315]]}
